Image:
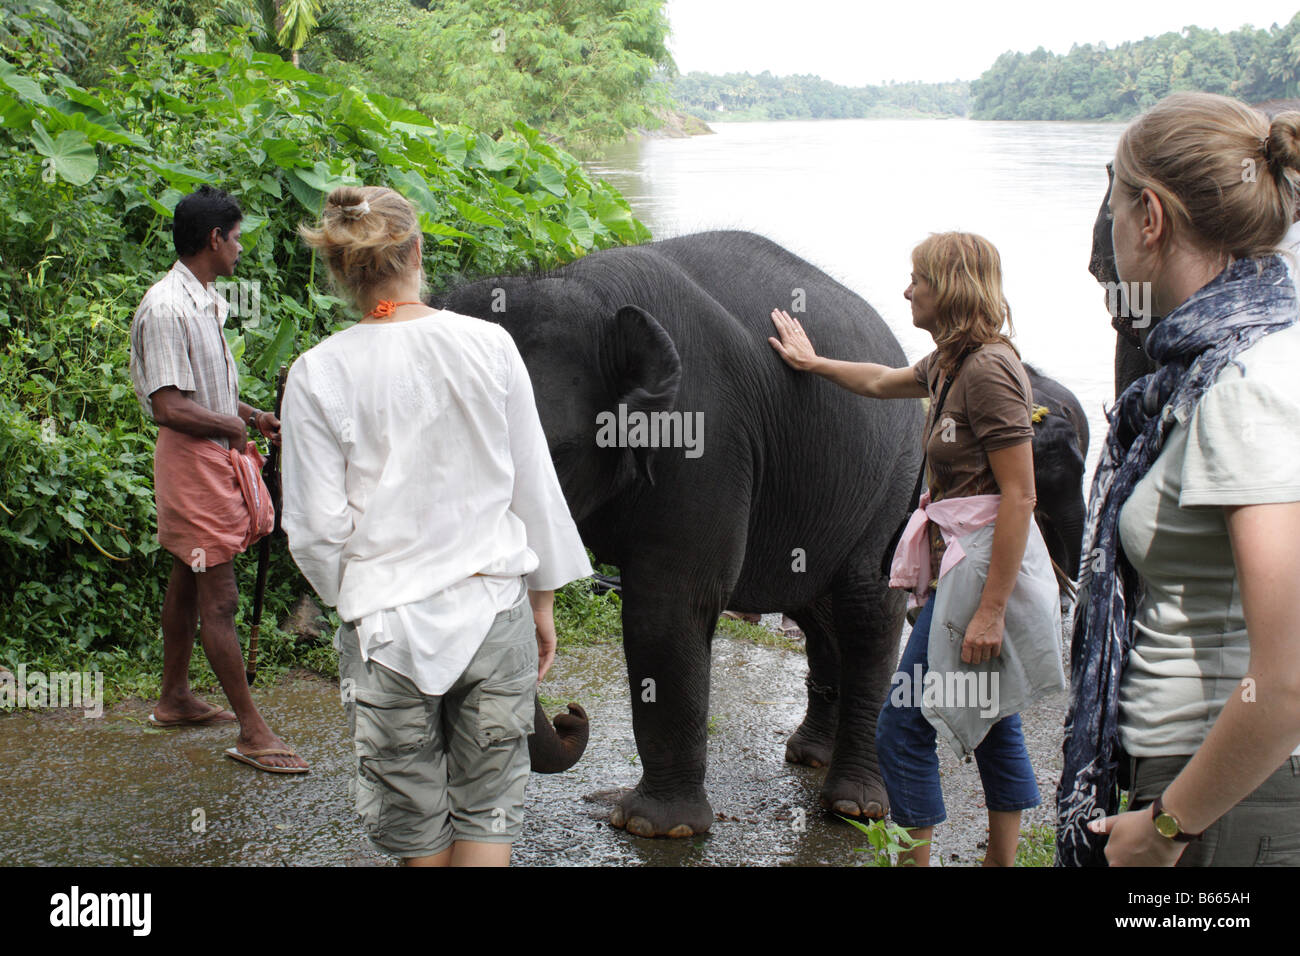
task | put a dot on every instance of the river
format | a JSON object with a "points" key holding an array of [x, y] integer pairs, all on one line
{"points": [[854, 197]]}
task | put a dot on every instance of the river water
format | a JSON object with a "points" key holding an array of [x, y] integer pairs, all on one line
{"points": [[854, 197]]}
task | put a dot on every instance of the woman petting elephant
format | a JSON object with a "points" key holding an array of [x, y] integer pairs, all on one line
{"points": [[1186, 658], [971, 553], [420, 498]]}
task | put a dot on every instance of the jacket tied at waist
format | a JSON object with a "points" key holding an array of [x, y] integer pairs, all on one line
{"points": [[963, 701]]}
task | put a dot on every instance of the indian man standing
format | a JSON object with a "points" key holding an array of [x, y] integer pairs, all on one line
{"points": [[212, 503]]}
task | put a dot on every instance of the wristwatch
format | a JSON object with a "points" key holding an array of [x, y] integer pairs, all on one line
{"points": [[1167, 824]]}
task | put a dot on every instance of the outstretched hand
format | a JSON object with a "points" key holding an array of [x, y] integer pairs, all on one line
{"points": [[793, 346]]}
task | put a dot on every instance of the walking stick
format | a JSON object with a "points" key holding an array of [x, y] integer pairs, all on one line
{"points": [[271, 475]]}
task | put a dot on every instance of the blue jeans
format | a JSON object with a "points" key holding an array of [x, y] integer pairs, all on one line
{"points": [[905, 743]]}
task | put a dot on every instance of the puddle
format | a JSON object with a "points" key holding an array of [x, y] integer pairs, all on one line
{"points": [[113, 791]]}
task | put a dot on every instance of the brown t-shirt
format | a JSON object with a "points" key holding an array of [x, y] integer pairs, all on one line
{"points": [[989, 407]]}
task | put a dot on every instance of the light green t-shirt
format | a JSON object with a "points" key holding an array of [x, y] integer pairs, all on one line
{"points": [[1239, 445]]}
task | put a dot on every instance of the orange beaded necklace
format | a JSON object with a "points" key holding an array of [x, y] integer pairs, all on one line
{"points": [[385, 307]]}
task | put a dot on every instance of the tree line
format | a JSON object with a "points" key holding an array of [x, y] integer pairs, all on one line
{"points": [[744, 96], [1096, 82]]}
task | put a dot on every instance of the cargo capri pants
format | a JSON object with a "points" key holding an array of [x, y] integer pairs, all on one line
{"points": [[434, 770]]}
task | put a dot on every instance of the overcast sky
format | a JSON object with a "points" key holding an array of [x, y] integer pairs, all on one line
{"points": [[866, 42]]}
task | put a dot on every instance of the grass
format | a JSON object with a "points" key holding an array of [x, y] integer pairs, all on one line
{"points": [[1037, 846], [756, 634]]}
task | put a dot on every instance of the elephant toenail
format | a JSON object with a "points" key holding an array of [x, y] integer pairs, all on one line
{"points": [[681, 830], [640, 826]]}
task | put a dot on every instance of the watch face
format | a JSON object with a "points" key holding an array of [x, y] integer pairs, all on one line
{"points": [[1167, 825]]}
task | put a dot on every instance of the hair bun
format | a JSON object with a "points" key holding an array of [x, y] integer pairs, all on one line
{"points": [[349, 201], [1282, 145]]}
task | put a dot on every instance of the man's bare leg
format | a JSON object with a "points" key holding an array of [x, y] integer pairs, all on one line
{"points": [[180, 621], [472, 853], [1004, 838], [218, 599]]}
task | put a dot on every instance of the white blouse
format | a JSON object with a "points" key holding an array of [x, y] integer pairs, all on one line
{"points": [[413, 459]]}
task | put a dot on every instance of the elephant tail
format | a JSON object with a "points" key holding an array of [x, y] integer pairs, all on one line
{"points": [[554, 748]]}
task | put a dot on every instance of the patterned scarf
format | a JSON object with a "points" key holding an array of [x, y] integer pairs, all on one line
{"points": [[1248, 300]]}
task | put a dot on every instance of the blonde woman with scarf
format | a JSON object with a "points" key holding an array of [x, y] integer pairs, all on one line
{"points": [[1186, 659]]}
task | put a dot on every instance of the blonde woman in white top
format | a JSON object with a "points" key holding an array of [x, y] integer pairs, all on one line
{"points": [[420, 499]]}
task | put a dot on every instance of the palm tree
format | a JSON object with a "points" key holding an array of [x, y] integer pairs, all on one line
{"points": [[279, 25], [295, 20]]}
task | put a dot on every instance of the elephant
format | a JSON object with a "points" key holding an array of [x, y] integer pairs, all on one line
{"points": [[1131, 362], [789, 506], [1060, 449], [555, 747]]}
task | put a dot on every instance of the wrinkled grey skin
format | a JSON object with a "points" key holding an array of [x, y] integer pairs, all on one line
{"points": [[790, 506], [1131, 363], [1060, 448], [555, 747]]}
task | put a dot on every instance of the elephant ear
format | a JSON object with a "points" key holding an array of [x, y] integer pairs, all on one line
{"points": [[645, 370]]}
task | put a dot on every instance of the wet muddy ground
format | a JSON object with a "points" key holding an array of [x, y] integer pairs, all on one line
{"points": [[114, 791]]}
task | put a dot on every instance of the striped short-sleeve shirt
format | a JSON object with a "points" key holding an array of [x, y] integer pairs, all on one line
{"points": [[176, 340]]}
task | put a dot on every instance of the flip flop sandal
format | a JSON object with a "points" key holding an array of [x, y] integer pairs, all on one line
{"points": [[250, 758], [203, 720]]}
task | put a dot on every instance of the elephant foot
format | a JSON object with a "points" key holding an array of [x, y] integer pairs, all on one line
{"points": [[809, 748], [855, 798], [647, 817]]}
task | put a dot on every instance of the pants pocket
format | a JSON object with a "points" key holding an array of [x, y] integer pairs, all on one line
{"points": [[370, 804], [1281, 850], [388, 725], [505, 700]]}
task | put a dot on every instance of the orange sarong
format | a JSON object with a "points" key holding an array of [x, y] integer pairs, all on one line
{"points": [[212, 502]]}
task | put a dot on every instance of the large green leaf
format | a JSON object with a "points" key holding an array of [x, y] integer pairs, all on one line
{"points": [[94, 132], [68, 154], [579, 224], [279, 347], [475, 215], [14, 114], [430, 227], [493, 155], [177, 176], [26, 88], [551, 179]]}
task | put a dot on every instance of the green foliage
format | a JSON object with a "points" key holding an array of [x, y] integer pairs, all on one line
{"points": [[49, 24], [1037, 846], [582, 71], [88, 179], [1101, 83], [742, 96], [299, 18], [887, 840], [583, 617]]}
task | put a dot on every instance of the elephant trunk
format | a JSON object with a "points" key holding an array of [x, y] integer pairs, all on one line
{"points": [[554, 749], [1071, 531]]}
